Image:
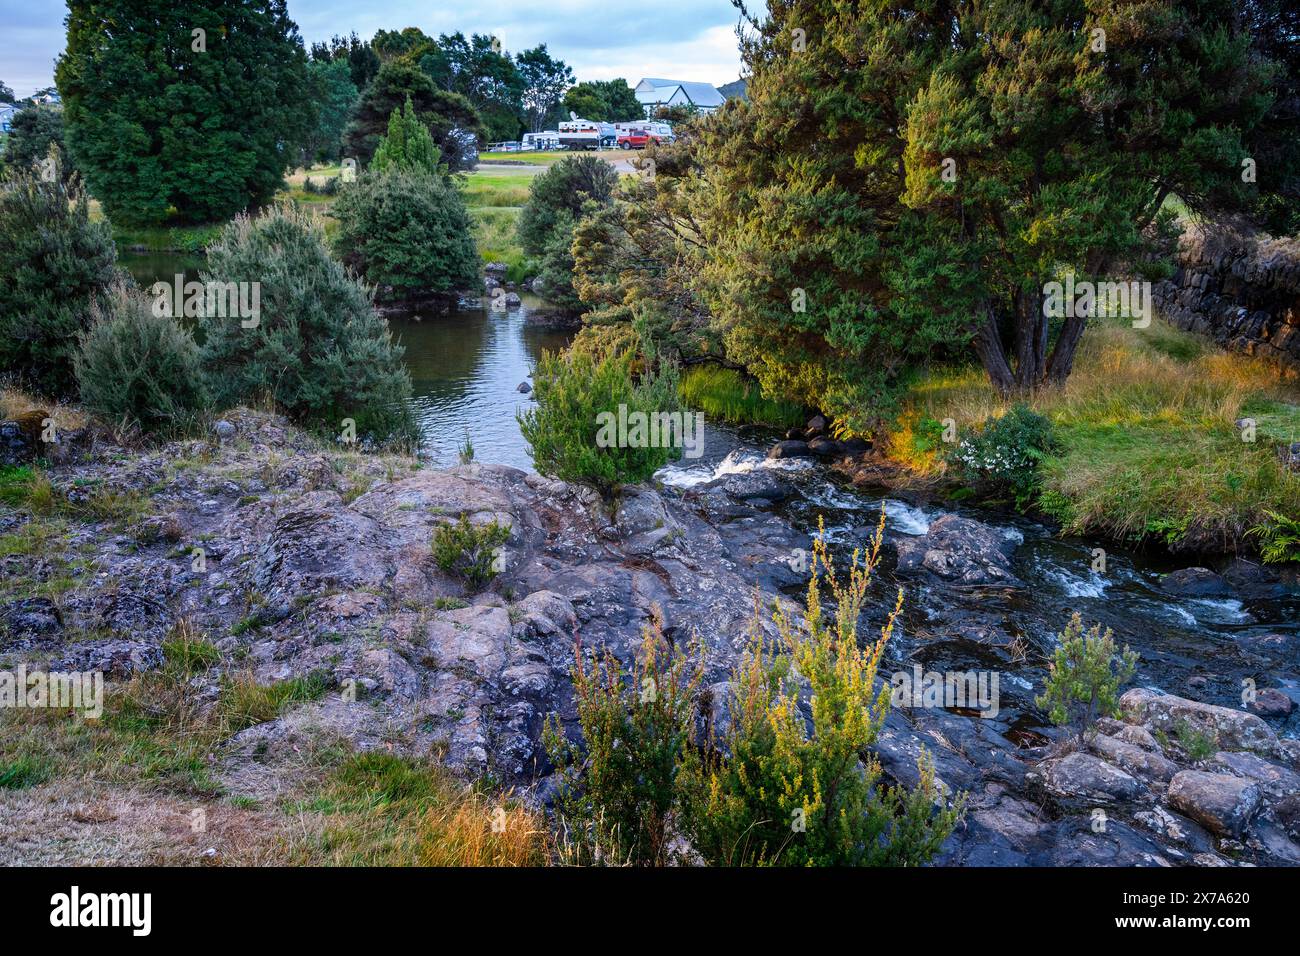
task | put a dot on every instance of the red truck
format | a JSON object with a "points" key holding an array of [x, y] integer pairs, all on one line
{"points": [[637, 138]]}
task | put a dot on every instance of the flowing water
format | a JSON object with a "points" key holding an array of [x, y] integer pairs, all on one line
{"points": [[1186, 646], [466, 367]]}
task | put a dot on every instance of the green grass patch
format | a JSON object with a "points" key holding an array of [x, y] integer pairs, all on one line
{"points": [[23, 772], [723, 393], [244, 702]]}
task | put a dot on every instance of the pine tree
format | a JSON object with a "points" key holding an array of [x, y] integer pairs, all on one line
{"points": [[196, 107], [407, 145]]}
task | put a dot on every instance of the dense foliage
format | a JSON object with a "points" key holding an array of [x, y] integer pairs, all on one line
{"points": [[605, 101], [334, 95], [451, 119], [407, 231], [1003, 456], [30, 136], [407, 145], [470, 551], [55, 264], [557, 200], [572, 390], [905, 178], [318, 349], [195, 107], [140, 370]]}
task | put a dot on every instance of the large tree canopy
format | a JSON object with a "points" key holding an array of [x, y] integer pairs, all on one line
{"points": [[449, 116], [907, 177], [196, 106], [606, 101]]}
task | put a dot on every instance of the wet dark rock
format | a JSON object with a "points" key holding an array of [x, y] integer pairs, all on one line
{"points": [[825, 447], [1195, 582], [1221, 802], [524, 388], [1269, 648], [790, 449], [855, 446], [760, 484], [1271, 702], [816, 426], [960, 550]]}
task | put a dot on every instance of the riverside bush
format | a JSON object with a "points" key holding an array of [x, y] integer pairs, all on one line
{"points": [[617, 794], [319, 349], [54, 265], [572, 390], [1004, 455], [789, 785], [408, 232], [139, 370], [788, 781]]}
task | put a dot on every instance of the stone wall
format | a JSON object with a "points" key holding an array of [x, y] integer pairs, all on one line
{"points": [[1240, 288]]}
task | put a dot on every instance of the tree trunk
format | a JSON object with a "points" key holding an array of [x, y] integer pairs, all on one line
{"points": [[988, 346], [1031, 341], [1067, 343]]}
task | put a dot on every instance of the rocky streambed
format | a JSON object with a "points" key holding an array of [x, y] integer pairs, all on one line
{"points": [[318, 562]]}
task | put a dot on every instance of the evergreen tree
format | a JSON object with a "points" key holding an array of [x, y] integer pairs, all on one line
{"points": [[407, 144], [30, 136], [197, 106], [606, 101], [908, 177], [335, 95], [407, 231], [55, 266], [544, 81]]}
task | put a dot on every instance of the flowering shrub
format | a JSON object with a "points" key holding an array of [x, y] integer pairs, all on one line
{"points": [[1003, 456]]}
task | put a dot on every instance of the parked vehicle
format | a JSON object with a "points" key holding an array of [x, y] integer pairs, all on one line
{"points": [[547, 139], [580, 134], [640, 135]]}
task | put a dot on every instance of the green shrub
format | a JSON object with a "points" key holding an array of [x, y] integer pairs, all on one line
{"points": [[789, 785], [572, 392], [319, 349], [329, 186], [408, 233], [563, 191], [1004, 455], [618, 791], [54, 265], [1084, 677], [469, 551], [557, 201], [138, 369]]}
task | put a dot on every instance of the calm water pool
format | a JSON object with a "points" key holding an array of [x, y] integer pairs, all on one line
{"points": [[466, 367]]}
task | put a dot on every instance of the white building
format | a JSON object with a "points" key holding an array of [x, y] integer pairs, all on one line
{"points": [[654, 93]]}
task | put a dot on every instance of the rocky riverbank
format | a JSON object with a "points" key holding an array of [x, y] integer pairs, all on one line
{"points": [[305, 561]]}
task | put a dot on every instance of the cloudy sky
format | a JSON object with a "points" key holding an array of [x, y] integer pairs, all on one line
{"points": [[599, 39]]}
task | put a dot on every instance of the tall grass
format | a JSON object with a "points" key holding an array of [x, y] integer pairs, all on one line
{"points": [[722, 393], [1148, 441]]}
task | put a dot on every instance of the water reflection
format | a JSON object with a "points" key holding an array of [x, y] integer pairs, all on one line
{"points": [[466, 368]]}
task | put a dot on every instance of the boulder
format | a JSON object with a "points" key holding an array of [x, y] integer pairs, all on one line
{"points": [[524, 388], [790, 449], [759, 484], [1145, 764], [1271, 702], [816, 425], [1082, 776], [1232, 729], [1267, 649], [825, 447], [1218, 801], [1195, 583], [960, 550]]}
